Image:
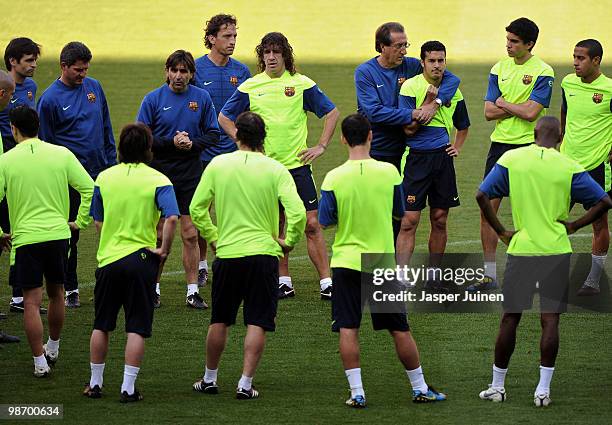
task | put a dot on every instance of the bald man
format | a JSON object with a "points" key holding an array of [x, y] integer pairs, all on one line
{"points": [[540, 182]]}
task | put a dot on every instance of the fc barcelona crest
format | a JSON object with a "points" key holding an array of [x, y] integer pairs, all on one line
{"points": [[234, 80], [527, 79], [598, 97], [193, 106], [411, 199], [401, 80], [289, 91], [30, 95], [91, 97]]}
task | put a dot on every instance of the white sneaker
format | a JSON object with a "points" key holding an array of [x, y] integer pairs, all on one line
{"points": [[542, 400], [497, 395], [50, 355], [41, 372]]}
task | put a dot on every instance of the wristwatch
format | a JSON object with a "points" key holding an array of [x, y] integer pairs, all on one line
{"points": [[438, 101]]}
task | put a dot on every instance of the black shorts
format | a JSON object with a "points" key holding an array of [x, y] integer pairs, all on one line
{"points": [[551, 272], [348, 304], [184, 194], [496, 150], [36, 260], [430, 175], [601, 174], [129, 283], [396, 161], [306, 187], [252, 279]]}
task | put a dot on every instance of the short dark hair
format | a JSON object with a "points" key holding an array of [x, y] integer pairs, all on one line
{"points": [[383, 34], [432, 46], [276, 39], [182, 57], [355, 129], [135, 142], [525, 29], [73, 52], [213, 26], [25, 119], [18, 48], [251, 130], [593, 47]]}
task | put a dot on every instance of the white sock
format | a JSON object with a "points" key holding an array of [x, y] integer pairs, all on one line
{"points": [[285, 280], [97, 374], [417, 379], [597, 265], [192, 288], [546, 374], [245, 382], [203, 265], [325, 283], [41, 361], [157, 289], [210, 375], [72, 292], [130, 373], [354, 379], [52, 346], [16, 300], [499, 377], [491, 269]]}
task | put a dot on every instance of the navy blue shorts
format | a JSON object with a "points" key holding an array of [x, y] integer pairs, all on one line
{"points": [[306, 187], [38, 260]]}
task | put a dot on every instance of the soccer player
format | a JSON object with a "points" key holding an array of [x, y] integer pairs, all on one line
{"points": [[20, 58], [74, 114], [361, 196], [586, 120], [183, 121], [35, 176], [219, 75], [539, 181], [127, 203], [282, 97], [429, 172], [519, 92], [246, 188]]}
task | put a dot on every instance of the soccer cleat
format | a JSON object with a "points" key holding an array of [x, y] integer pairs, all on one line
{"points": [[436, 286], [541, 400], [95, 392], [157, 301], [72, 300], [206, 387], [51, 356], [6, 338], [242, 394], [202, 277], [497, 395], [41, 372], [486, 284], [196, 301], [428, 397], [130, 398], [285, 291], [326, 293], [587, 291], [358, 402], [19, 308]]}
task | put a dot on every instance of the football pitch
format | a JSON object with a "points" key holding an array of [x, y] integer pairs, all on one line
{"points": [[300, 376]]}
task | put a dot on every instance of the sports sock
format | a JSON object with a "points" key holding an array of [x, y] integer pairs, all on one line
{"points": [[40, 361], [354, 379], [245, 382], [491, 269], [52, 345], [157, 289], [210, 375], [97, 374], [192, 288], [72, 292], [417, 379], [203, 265], [16, 300], [546, 374], [499, 376], [597, 265], [130, 373], [325, 283], [286, 280]]}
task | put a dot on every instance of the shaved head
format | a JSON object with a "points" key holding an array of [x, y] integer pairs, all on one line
{"points": [[7, 87], [547, 132]]}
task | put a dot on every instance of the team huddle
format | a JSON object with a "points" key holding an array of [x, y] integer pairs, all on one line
{"points": [[213, 135]]}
